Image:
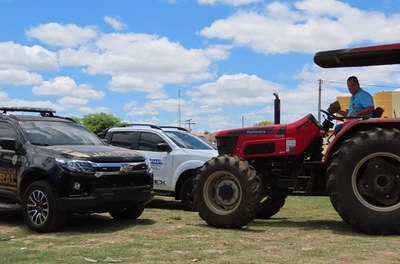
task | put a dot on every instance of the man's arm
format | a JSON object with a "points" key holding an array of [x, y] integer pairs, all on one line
{"points": [[365, 111], [342, 113]]}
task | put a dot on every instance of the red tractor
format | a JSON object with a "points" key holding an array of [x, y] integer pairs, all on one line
{"points": [[258, 167]]}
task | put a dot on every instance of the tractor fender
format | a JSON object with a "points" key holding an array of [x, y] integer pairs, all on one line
{"points": [[352, 126]]}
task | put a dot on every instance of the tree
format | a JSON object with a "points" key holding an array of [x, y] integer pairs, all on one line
{"points": [[263, 123], [99, 122], [76, 119]]}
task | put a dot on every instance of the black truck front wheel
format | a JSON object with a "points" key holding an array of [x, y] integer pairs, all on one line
{"points": [[364, 181], [227, 192], [40, 208]]}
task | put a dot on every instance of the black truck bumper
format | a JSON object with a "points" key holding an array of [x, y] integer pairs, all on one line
{"points": [[107, 199]]}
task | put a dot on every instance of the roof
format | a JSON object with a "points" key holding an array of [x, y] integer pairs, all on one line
{"points": [[361, 56], [148, 126]]}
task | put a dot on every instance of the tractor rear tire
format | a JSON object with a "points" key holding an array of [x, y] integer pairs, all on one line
{"points": [[227, 192], [270, 206], [364, 178]]}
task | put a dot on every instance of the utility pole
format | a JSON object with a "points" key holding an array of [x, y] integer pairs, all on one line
{"points": [[189, 123]]}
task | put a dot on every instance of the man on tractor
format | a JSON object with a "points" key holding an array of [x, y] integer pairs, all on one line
{"points": [[361, 102]]}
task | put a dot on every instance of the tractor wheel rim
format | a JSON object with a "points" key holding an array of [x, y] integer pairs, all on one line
{"points": [[377, 190], [222, 192]]}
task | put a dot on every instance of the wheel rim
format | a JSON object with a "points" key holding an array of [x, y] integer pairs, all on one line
{"points": [[222, 192], [376, 181], [38, 207]]}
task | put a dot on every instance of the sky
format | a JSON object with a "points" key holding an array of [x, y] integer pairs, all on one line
{"points": [[212, 63]]}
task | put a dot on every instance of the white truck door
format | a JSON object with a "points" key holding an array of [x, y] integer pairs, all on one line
{"points": [[161, 161]]}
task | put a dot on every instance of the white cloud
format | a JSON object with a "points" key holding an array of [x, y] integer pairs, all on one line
{"points": [[235, 90], [17, 56], [217, 52], [90, 110], [19, 77], [133, 109], [153, 107], [56, 34], [3, 96], [115, 22], [227, 2], [169, 105], [149, 54], [65, 86], [189, 110], [73, 101], [26, 103], [141, 62], [127, 83], [305, 26]]}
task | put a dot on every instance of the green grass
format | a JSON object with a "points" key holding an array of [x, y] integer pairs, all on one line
{"points": [[306, 230]]}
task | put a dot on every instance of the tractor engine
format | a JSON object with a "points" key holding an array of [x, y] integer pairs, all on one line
{"points": [[287, 158]]}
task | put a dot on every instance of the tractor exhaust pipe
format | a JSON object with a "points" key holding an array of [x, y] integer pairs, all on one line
{"points": [[277, 109]]}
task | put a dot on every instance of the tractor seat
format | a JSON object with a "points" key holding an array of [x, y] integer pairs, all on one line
{"points": [[378, 112]]}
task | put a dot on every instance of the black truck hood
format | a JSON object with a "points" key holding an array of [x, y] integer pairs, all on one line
{"points": [[95, 153]]}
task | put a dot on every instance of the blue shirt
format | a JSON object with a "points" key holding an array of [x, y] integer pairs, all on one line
{"points": [[360, 101]]}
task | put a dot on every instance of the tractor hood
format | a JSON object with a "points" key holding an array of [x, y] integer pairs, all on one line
{"points": [[273, 140], [273, 129]]}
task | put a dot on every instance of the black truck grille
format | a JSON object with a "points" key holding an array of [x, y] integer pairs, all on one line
{"points": [[136, 179]]}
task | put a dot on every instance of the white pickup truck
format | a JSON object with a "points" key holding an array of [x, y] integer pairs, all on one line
{"points": [[175, 155]]}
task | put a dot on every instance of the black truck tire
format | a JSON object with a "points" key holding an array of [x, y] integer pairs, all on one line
{"points": [[227, 192], [186, 195], [270, 206], [132, 212], [364, 178], [40, 208]]}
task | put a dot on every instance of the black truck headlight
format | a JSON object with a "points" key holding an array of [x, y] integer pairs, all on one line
{"points": [[148, 164], [72, 165]]}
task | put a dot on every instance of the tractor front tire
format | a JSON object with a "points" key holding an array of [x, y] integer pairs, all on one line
{"points": [[364, 178], [227, 192]]}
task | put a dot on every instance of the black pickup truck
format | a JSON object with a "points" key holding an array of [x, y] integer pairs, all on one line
{"points": [[51, 166]]}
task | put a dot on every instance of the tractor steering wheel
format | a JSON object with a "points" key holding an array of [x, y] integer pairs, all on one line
{"points": [[330, 116]]}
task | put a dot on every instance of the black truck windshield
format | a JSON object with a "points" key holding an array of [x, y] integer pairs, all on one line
{"points": [[48, 133]]}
